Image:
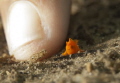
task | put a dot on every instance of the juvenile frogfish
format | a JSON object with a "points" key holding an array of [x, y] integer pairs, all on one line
{"points": [[71, 47]]}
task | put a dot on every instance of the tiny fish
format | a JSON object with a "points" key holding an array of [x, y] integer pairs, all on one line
{"points": [[71, 47]]}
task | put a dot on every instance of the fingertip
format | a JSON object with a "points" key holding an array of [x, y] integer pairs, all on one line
{"points": [[31, 28]]}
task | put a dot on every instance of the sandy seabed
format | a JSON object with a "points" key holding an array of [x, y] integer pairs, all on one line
{"points": [[96, 24]]}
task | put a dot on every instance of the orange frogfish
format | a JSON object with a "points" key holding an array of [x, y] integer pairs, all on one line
{"points": [[71, 47]]}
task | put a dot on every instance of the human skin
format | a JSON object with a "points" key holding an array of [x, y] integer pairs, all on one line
{"points": [[33, 25]]}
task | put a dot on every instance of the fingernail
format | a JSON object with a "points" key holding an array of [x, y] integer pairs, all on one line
{"points": [[23, 26], [31, 29]]}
